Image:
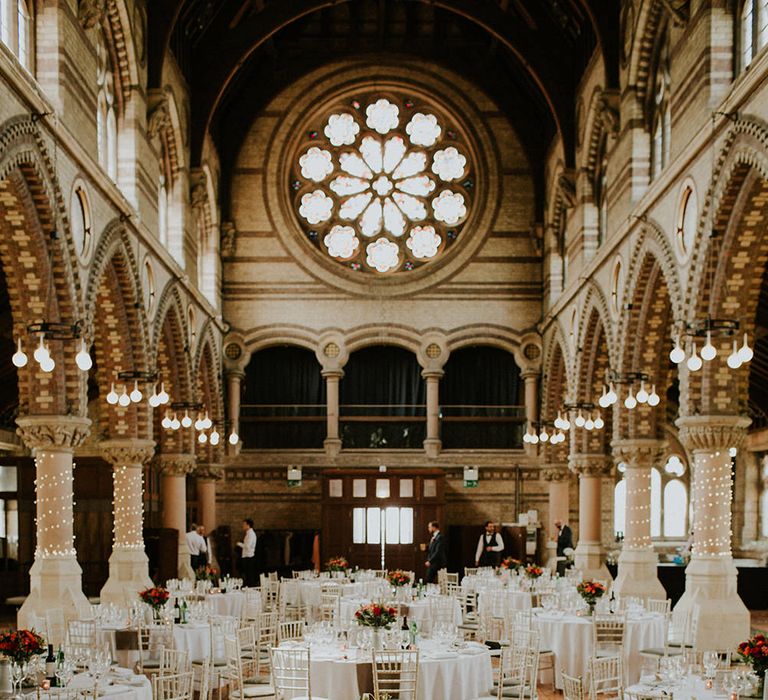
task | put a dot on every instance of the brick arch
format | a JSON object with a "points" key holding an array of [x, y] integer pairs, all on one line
{"points": [[649, 20], [173, 365], [118, 328], [597, 300], [209, 392], [554, 395], [38, 266], [650, 318], [594, 130]]}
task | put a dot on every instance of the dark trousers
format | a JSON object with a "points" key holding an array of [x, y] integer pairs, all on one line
{"points": [[248, 571], [432, 574], [197, 560]]}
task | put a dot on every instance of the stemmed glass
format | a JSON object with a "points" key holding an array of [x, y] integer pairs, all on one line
{"points": [[98, 664], [18, 673], [64, 672], [710, 659]]}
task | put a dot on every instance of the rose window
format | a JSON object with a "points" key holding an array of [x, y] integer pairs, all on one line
{"points": [[383, 186]]}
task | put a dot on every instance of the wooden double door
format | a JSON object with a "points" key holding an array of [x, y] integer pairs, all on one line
{"points": [[378, 520]]}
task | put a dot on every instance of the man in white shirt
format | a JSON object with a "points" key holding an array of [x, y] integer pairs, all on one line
{"points": [[489, 546], [197, 547], [248, 560]]}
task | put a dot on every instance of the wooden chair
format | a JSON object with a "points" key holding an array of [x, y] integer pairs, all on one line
{"points": [[293, 630], [239, 689], [608, 634], [290, 673], [174, 687], [573, 687], [606, 678], [396, 674], [152, 640]]}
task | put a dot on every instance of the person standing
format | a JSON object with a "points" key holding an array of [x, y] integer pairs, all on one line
{"points": [[436, 555], [205, 554], [564, 541], [197, 547], [489, 546], [248, 556]]}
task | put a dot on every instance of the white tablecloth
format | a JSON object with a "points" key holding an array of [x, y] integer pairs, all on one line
{"points": [[194, 638], [308, 592], [570, 638], [141, 690], [515, 600], [230, 603], [453, 676], [418, 611]]}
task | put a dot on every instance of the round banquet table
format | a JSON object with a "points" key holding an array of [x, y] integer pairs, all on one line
{"points": [[570, 638], [230, 603], [418, 611], [194, 637], [308, 592], [133, 687], [450, 675], [514, 600]]}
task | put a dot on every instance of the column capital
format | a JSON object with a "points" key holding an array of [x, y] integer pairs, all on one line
{"points": [[555, 472], [586, 464], [57, 433], [176, 464], [127, 451], [639, 453], [209, 472], [235, 372], [528, 374], [432, 373], [705, 433], [331, 373]]}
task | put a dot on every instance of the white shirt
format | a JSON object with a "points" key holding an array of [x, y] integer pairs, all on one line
{"points": [[481, 545], [196, 543], [248, 544]]}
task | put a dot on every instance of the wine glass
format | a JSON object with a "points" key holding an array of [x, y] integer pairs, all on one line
{"points": [[64, 672], [18, 673], [710, 659]]}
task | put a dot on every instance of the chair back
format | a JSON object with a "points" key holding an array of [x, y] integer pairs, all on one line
{"points": [[290, 672], [470, 571], [573, 687], [176, 686], [396, 674], [152, 640], [657, 605], [293, 630], [606, 678], [608, 632], [174, 661], [81, 635]]}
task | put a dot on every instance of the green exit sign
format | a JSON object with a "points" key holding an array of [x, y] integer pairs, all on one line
{"points": [[470, 484]]}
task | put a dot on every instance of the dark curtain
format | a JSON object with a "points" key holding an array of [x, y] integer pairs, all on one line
{"points": [[481, 376], [384, 375], [284, 375]]}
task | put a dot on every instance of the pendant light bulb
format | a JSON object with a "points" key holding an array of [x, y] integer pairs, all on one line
{"points": [[202, 438], [41, 352], [175, 424], [745, 352], [677, 354], [558, 420], [154, 399], [47, 364], [215, 437], [112, 396], [166, 422], [630, 402], [642, 394], [599, 422], [708, 352], [163, 395], [124, 400], [207, 422], [612, 397], [544, 435], [534, 439], [604, 401], [83, 359], [233, 438], [19, 358], [734, 361], [526, 437], [653, 397], [566, 422], [694, 361], [199, 422], [589, 424], [579, 420], [186, 421], [136, 394]]}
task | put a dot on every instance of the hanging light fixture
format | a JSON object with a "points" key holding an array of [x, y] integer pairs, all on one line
{"points": [[214, 437], [234, 438], [46, 331]]}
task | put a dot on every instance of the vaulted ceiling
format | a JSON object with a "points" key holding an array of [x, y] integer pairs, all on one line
{"points": [[528, 55]]}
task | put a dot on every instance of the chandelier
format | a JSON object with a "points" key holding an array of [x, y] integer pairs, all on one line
{"points": [[634, 397], [202, 422], [124, 398], [537, 432], [583, 415], [47, 331], [707, 328]]}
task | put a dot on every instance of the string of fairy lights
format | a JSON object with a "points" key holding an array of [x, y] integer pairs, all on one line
{"points": [[128, 507], [55, 515]]}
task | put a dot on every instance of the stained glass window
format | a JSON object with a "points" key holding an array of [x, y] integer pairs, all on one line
{"points": [[382, 185]]}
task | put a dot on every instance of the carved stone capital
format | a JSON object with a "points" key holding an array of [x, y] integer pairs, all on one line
{"points": [[707, 433], [209, 472], [198, 188], [90, 12], [639, 453], [608, 110], [590, 464], [128, 452], [61, 433], [158, 114], [566, 186], [555, 472], [228, 240], [176, 464]]}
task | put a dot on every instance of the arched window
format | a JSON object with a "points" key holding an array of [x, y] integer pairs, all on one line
{"points": [[655, 503], [619, 503], [675, 508], [659, 111], [106, 119], [753, 30], [16, 29]]}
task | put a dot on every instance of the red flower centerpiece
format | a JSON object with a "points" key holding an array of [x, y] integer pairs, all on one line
{"points": [[511, 563], [337, 564], [590, 591], [533, 571], [398, 578], [755, 652], [206, 572], [155, 597], [21, 645], [376, 615]]}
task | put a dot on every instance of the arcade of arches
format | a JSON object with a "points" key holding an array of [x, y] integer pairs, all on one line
{"points": [[248, 246]]}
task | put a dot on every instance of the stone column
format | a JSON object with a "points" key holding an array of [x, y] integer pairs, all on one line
{"points": [[206, 477], [128, 563], [432, 444], [55, 576], [558, 477], [590, 557], [638, 575], [174, 469], [332, 442], [531, 380], [234, 382], [710, 578]]}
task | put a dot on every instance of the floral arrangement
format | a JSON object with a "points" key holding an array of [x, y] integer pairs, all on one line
{"points": [[755, 652], [590, 591], [206, 572], [375, 615], [511, 563], [21, 645], [155, 597], [533, 571], [336, 564], [398, 578]]}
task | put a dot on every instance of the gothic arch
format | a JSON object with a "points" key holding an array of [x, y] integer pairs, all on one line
{"points": [[649, 20]]}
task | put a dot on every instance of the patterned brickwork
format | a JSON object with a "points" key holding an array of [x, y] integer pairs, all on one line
{"points": [[209, 392], [593, 365]]}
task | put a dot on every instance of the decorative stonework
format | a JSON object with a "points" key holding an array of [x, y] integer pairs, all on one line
{"points": [[228, 241], [433, 351], [90, 12], [158, 114], [128, 452], [176, 464], [590, 464], [52, 432], [209, 472], [639, 453], [554, 472], [331, 350], [706, 433]]}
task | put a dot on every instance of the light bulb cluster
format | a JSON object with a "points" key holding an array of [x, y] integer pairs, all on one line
{"points": [[695, 361], [124, 398], [583, 418], [531, 437], [42, 356], [201, 424], [610, 396]]}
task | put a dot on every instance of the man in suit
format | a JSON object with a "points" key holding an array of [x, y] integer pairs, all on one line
{"points": [[436, 556], [489, 546], [564, 541]]}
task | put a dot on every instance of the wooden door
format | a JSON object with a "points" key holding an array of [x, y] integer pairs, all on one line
{"points": [[379, 520]]}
